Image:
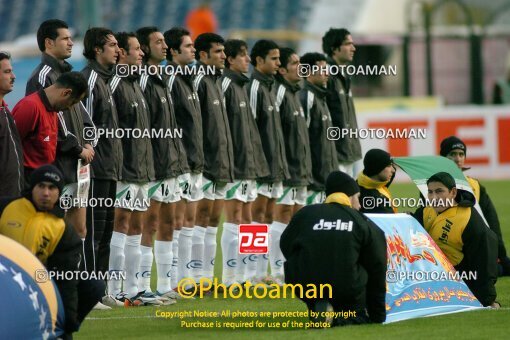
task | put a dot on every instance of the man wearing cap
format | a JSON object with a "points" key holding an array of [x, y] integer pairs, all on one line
{"points": [[36, 221], [455, 149], [460, 232], [374, 181], [332, 243]]}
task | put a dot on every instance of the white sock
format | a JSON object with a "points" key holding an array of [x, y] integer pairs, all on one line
{"points": [[185, 252], [250, 261], [133, 255], [175, 261], [229, 250], [116, 262], [262, 264], [209, 252], [197, 252], [144, 274], [164, 259], [276, 257]]}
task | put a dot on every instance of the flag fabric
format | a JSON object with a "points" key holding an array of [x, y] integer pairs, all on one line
{"points": [[421, 168]]}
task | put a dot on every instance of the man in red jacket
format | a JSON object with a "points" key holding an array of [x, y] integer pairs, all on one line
{"points": [[37, 121]]}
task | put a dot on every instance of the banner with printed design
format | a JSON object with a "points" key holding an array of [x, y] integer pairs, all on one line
{"points": [[420, 280]]}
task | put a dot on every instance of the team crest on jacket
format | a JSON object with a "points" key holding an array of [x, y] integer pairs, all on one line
{"points": [[242, 104], [216, 102], [163, 99], [270, 108]]}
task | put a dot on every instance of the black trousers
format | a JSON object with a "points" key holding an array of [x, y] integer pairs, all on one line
{"points": [[89, 293], [352, 316], [100, 225]]}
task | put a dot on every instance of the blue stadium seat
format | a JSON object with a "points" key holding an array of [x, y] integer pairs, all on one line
{"points": [[22, 17]]}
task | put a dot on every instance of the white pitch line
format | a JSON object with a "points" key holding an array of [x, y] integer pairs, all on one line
{"points": [[124, 317]]}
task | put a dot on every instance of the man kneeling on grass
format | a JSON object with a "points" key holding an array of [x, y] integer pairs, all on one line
{"points": [[461, 233], [332, 243]]}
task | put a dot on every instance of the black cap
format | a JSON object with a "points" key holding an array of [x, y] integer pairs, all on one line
{"points": [[443, 177], [451, 143], [375, 161], [339, 181], [47, 173]]}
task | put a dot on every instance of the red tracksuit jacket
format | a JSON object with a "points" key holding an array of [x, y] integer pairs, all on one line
{"points": [[37, 124]]}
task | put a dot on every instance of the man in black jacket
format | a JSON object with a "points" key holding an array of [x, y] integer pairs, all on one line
{"points": [[249, 160], [170, 162], [189, 118], [36, 221], [332, 243], [55, 43], [218, 152], [297, 150], [455, 149], [338, 45], [137, 171], [462, 235], [265, 57], [101, 51], [313, 99], [374, 181], [11, 152]]}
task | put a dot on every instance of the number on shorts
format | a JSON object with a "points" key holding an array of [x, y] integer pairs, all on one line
{"points": [[128, 195], [186, 189], [165, 190], [244, 188]]}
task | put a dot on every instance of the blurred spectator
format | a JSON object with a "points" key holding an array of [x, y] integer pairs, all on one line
{"points": [[501, 94], [201, 20]]}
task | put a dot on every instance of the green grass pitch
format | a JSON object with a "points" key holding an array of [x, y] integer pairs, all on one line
{"points": [[142, 322]]}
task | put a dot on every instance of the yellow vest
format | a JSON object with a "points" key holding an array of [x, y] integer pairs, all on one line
{"points": [[475, 185], [368, 183], [38, 231], [446, 230]]}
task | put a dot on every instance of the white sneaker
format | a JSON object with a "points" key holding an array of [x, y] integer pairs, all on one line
{"points": [[168, 298], [100, 306], [146, 298], [111, 301]]}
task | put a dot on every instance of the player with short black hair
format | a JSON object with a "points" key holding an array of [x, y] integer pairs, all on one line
{"points": [[181, 53], [297, 150], [218, 152], [265, 56], [74, 151], [313, 99], [169, 163], [137, 171], [249, 160]]}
